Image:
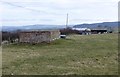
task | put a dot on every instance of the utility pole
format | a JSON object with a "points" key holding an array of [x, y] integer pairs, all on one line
{"points": [[67, 21]]}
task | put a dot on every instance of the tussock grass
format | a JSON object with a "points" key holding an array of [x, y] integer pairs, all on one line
{"points": [[82, 55]]}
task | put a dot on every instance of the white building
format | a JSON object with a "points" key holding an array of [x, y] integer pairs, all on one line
{"points": [[83, 31]]}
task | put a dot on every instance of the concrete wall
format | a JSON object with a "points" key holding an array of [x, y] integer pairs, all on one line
{"points": [[38, 36]]}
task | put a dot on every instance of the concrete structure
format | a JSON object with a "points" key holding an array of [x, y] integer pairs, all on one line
{"points": [[38, 36]]}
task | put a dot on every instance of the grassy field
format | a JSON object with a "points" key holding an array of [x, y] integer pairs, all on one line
{"points": [[81, 55]]}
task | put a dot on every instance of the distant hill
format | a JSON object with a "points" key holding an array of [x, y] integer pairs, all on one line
{"points": [[32, 27], [48, 27], [96, 25]]}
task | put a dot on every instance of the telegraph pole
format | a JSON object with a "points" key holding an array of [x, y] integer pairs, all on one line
{"points": [[67, 21]]}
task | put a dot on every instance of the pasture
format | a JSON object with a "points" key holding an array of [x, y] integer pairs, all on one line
{"points": [[78, 54]]}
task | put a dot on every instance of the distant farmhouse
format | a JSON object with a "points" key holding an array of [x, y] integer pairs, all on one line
{"points": [[98, 31], [83, 31], [38, 36], [87, 31]]}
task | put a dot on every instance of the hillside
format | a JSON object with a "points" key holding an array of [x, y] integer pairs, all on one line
{"points": [[44, 27], [95, 25], [33, 27]]}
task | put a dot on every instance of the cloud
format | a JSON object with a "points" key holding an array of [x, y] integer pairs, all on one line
{"points": [[54, 11]]}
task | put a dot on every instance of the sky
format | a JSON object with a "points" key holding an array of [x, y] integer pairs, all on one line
{"points": [[53, 12]]}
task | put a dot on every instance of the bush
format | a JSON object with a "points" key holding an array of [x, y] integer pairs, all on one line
{"points": [[10, 36], [67, 31]]}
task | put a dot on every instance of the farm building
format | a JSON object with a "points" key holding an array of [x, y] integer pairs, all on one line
{"points": [[38, 36], [98, 31], [83, 31]]}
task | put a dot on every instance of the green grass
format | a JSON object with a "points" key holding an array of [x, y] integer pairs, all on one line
{"points": [[81, 55]]}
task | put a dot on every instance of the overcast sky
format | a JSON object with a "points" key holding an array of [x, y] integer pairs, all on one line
{"points": [[53, 12]]}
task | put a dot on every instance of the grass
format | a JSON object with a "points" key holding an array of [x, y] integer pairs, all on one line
{"points": [[0, 61], [81, 55]]}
